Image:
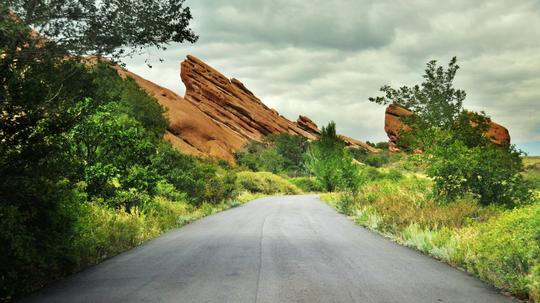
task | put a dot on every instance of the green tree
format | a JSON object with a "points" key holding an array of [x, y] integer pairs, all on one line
{"points": [[91, 27], [330, 161], [292, 149], [490, 173], [40, 103], [110, 144], [462, 160], [276, 153], [437, 105], [435, 101]]}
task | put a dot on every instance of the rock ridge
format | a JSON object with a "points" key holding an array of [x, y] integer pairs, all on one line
{"points": [[218, 115]]}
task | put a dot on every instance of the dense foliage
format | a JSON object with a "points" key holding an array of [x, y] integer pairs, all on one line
{"points": [[490, 173], [462, 160], [107, 144], [73, 132], [496, 244], [90, 27], [265, 183], [277, 153], [331, 162]]}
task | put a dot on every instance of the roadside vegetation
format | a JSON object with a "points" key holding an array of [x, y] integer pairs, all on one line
{"points": [[85, 173], [464, 200]]}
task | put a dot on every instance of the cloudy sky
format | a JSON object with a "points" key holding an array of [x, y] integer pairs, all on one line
{"points": [[325, 58]]}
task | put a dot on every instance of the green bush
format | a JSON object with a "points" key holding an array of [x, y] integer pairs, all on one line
{"points": [[265, 182], [331, 162], [277, 153], [380, 159], [307, 184], [489, 172], [506, 249], [408, 200], [37, 238]]}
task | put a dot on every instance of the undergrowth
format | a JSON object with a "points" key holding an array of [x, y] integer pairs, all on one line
{"points": [[498, 245]]}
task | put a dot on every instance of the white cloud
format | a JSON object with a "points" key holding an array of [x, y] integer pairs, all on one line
{"points": [[325, 58]]}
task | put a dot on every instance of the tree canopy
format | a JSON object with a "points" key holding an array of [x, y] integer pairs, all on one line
{"points": [[92, 27]]}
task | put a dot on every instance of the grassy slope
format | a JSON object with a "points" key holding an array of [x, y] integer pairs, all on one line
{"points": [[498, 245], [532, 171]]}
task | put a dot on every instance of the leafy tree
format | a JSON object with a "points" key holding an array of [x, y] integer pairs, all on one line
{"points": [[331, 162], [43, 97], [276, 153], [489, 172], [462, 160], [109, 144], [292, 149], [133, 100], [436, 104], [91, 27]]}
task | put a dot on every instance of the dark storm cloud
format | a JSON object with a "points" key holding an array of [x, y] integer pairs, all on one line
{"points": [[325, 58]]}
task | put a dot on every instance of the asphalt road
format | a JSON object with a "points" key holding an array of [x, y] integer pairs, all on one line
{"points": [[277, 249]]}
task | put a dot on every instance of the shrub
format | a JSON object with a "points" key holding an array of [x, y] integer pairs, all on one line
{"points": [[489, 172], [506, 251], [307, 184], [277, 153], [408, 201], [168, 191], [103, 232], [265, 182], [375, 159], [221, 187], [331, 162], [201, 181]]}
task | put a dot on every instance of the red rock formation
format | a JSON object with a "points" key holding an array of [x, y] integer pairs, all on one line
{"points": [[232, 104], [393, 126], [308, 125], [498, 134], [217, 116]]}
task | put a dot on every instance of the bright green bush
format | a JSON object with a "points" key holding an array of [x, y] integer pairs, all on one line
{"points": [[489, 172], [307, 184], [506, 249], [265, 182], [277, 153], [331, 162]]}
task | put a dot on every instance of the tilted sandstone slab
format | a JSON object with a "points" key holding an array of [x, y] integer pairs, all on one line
{"points": [[191, 130], [393, 126], [217, 115], [232, 104]]}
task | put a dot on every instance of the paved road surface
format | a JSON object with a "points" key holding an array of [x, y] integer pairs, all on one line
{"points": [[277, 249]]}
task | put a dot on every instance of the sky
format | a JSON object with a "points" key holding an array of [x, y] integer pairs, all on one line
{"points": [[324, 59]]}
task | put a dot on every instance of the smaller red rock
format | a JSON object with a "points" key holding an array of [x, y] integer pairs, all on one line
{"points": [[393, 125]]}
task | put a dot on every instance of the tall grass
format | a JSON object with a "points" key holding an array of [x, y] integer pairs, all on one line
{"points": [[102, 232], [497, 245]]}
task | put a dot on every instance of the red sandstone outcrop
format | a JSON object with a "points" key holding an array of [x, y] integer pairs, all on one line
{"points": [[308, 125], [393, 126], [217, 115]]}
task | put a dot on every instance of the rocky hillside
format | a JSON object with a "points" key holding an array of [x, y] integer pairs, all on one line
{"points": [[218, 115], [393, 125]]}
